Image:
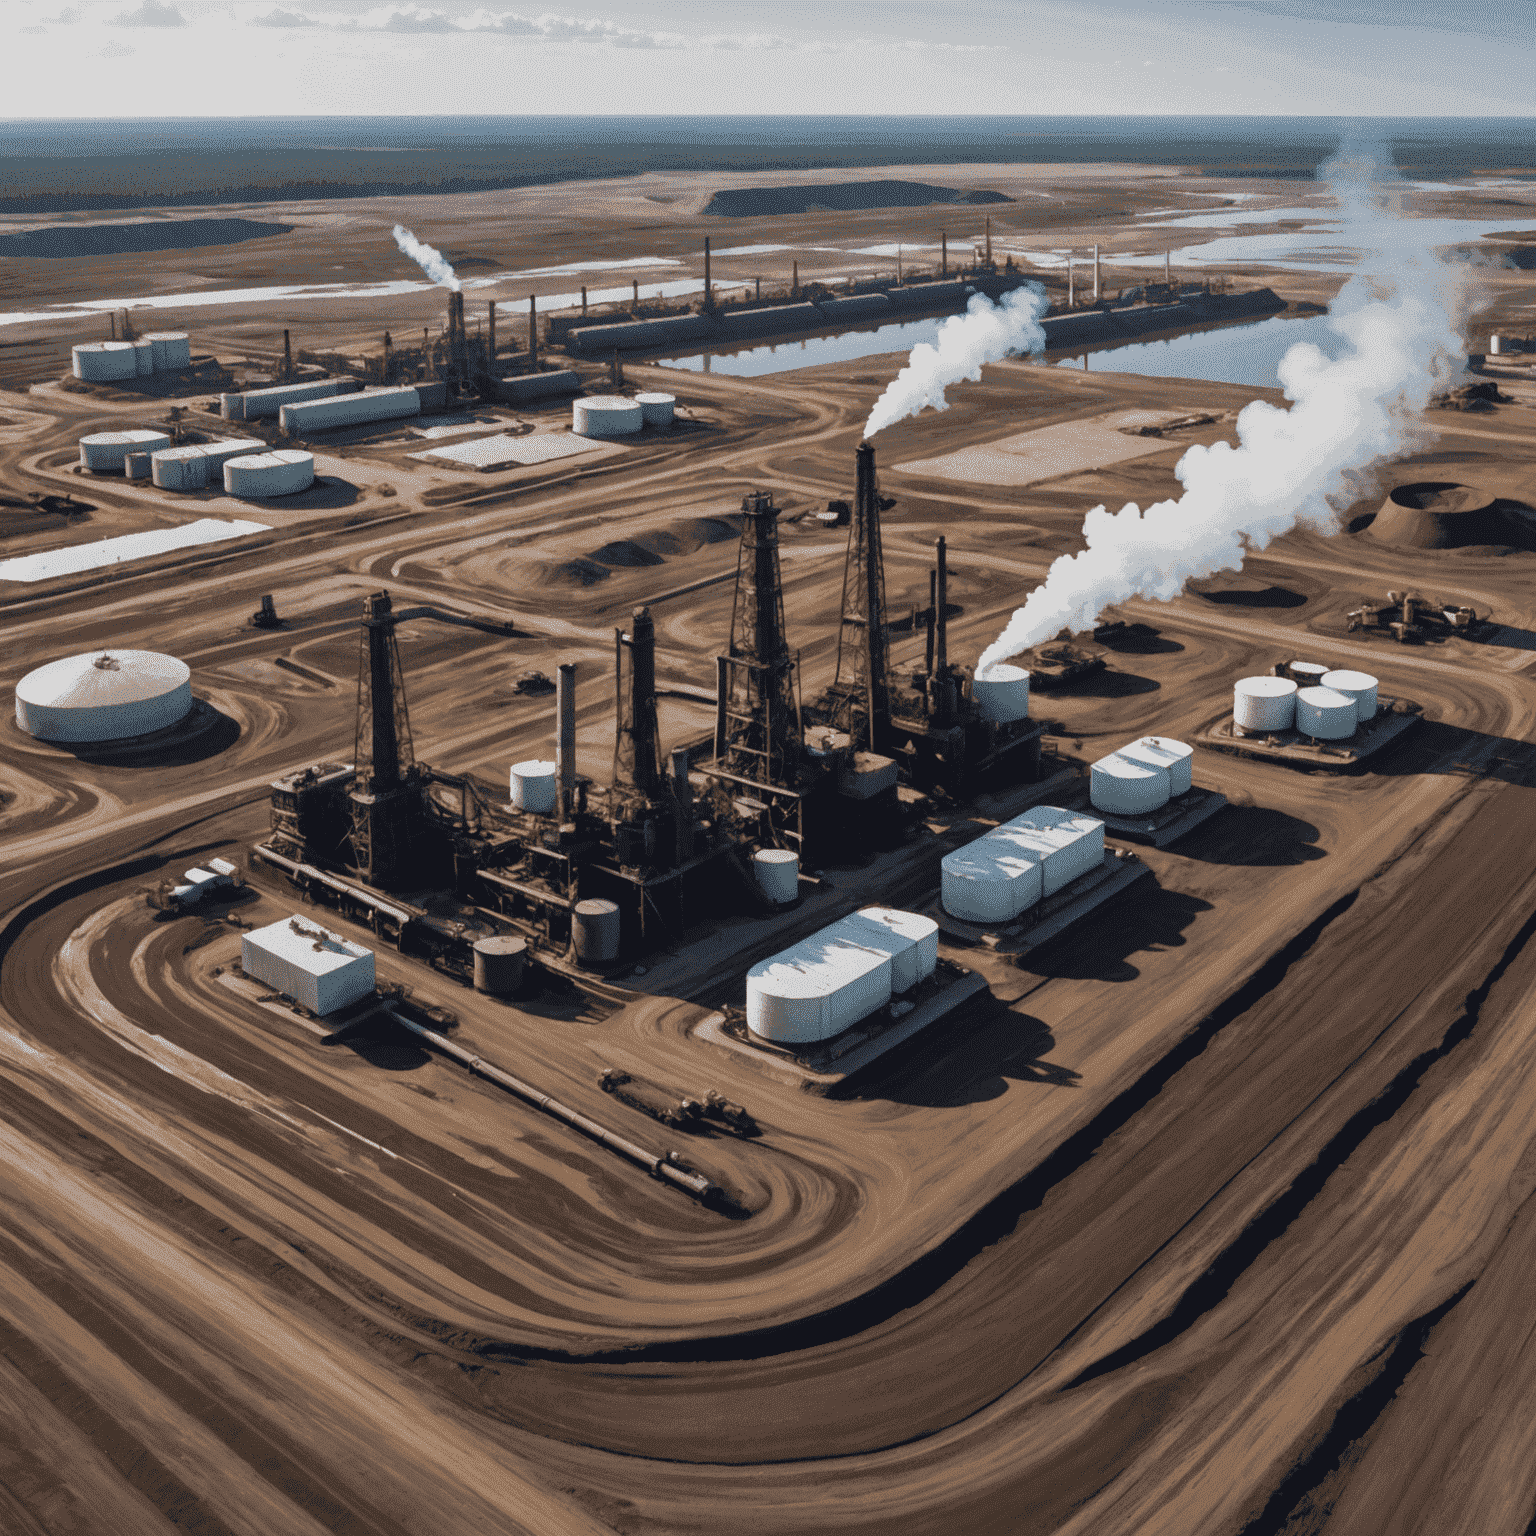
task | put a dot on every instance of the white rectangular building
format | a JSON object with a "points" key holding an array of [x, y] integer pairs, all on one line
{"points": [[350, 410], [318, 969]]}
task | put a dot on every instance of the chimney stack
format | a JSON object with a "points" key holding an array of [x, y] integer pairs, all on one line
{"points": [[533, 329], [565, 737], [583, 301], [944, 252], [794, 282], [709, 297], [989, 239], [490, 338], [1096, 289]]}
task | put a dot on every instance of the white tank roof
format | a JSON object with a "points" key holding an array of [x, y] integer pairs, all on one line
{"points": [[1176, 756], [817, 988], [911, 940], [103, 696], [1123, 786], [1066, 843]]}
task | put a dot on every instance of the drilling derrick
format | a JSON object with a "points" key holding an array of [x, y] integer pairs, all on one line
{"points": [[384, 800], [859, 700]]}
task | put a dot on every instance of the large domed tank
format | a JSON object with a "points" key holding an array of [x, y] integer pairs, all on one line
{"points": [[1325, 714], [606, 416], [1124, 786], [1264, 704], [103, 696]]}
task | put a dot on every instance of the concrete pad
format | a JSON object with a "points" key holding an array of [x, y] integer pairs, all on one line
{"points": [[1048, 452], [493, 452]]}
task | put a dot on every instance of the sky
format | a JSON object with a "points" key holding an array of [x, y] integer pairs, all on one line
{"points": [[114, 58]]}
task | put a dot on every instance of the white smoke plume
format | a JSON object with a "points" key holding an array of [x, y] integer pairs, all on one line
{"points": [[1400, 317], [431, 261], [985, 333]]}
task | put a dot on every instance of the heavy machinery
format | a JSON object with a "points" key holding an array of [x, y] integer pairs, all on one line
{"points": [[1059, 664], [1411, 619], [266, 616]]}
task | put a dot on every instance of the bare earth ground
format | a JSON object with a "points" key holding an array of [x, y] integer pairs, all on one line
{"points": [[1215, 1216]]}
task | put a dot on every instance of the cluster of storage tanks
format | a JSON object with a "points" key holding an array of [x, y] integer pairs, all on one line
{"points": [[319, 404], [246, 465], [617, 416], [1313, 701], [1141, 777], [1002, 874], [829, 982], [101, 362]]}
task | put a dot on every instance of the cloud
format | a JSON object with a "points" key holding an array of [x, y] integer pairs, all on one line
{"points": [[115, 50], [280, 17], [150, 13]]}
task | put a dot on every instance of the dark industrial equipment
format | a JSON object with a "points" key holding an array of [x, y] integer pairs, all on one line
{"points": [[266, 617], [532, 683], [1411, 619], [1059, 664]]}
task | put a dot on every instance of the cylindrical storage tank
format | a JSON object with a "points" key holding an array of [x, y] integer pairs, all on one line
{"points": [[989, 882], [1307, 674], [913, 941], [499, 963], [1177, 757], [1495, 345], [777, 871], [179, 469], [1360, 686], [533, 786], [656, 410], [818, 988], [232, 407], [144, 356], [136, 466], [1003, 694], [345, 410], [1121, 786], [173, 349], [1264, 704], [595, 931], [1326, 714], [103, 696], [104, 360], [606, 416], [1066, 843], [104, 452], [282, 472]]}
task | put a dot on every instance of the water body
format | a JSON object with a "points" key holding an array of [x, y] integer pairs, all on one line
{"points": [[1236, 354], [64, 164]]}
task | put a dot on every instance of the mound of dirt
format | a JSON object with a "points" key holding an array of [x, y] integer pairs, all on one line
{"points": [[1440, 514], [580, 572], [625, 552], [840, 197]]}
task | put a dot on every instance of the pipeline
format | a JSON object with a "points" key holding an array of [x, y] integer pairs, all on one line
{"points": [[668, 1169]]}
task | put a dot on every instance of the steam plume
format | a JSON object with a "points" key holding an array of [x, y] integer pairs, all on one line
{"points": [[1399, 316], [985, 333], [431, 261]]}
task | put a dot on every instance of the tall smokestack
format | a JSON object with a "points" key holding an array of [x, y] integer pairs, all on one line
{"points": [[933, 609], [490, 337], [989, 239], [112, 316], [636, 282], [1095, 274], [944, 252], [1071, 283], [1167, 268], [709, 298], [533, 329], [384, 367], [565, 736], [287, 356], [940, 604], [644, 744], [794, 282], [583, 301], [759, 289]]}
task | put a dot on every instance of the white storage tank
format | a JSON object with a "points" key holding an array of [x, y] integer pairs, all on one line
{"points": [[1122, 786], [179, 469], [606, 416], [816, 989], [103, 452], [318, 969], [777, 871], [348, 410], [279, 472], [913, 941], [1360, 686], [596, 928], [1307, 674], [656, 410], [533, 786], [103, 696], [1326, 714], [257, 403], [144, 356], [1264, 704], [1176, 756], [172, 349], [102, 361], [989, 881], [221, 452], [137, 466], [1067, 843], [1003, 694]]}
